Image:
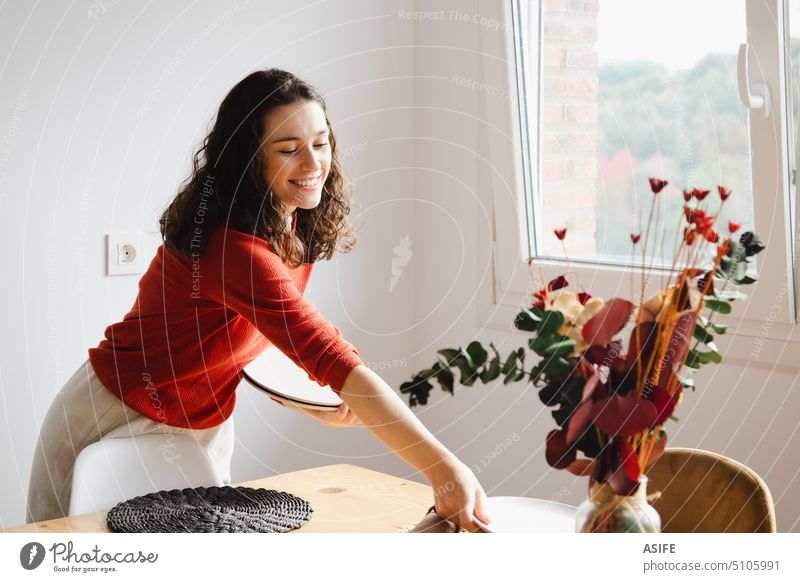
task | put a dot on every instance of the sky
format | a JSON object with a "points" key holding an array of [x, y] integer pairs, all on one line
{"points": [[647, 30]]}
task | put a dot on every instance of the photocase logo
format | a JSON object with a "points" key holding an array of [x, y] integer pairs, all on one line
{"points": [[402, 254], [31, 555]]}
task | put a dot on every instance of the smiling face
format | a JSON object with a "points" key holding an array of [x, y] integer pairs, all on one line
{"points": [[297, 155]]}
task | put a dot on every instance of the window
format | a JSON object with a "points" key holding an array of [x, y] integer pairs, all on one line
{"points": [[610, 93], [612, 116]]}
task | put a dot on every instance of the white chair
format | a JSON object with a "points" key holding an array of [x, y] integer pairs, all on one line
{"points": [[113, 470]]}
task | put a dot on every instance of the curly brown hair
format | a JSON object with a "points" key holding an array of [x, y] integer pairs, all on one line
{"points": [[227, 186]]}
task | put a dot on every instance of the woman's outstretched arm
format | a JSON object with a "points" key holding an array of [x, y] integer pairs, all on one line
{"points": [[249, 278], [457, 493]]}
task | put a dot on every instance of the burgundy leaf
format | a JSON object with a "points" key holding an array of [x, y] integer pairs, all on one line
{"points": [[629, 460], [618, 365], [589, 386], [604, 355], [579, 422], [582, 467], [605, 462], [703, 281], [615, 474], [665, 378], [623, 383], [607, 322], [621, 484], [642, 348], [677, 347], [600, 391], [558, 453], [595, 354], [623, 415], [664, 403]]}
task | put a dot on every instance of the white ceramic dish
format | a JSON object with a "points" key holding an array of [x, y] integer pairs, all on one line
{"points": [[283, 399], [528, 515], [280, 378]]}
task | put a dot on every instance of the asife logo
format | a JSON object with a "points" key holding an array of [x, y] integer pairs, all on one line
{"points": [[31, 555]]}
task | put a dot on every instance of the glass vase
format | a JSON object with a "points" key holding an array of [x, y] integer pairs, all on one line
{"points": [[606, 512]]}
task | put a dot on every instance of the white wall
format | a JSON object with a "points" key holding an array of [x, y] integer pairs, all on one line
{"points": [[100, 116]]}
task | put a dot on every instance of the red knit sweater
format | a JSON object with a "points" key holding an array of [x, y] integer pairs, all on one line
{"points": [[177, 356]]}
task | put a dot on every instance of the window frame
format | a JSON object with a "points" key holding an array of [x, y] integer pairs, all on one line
{"points": [[767, 318]]}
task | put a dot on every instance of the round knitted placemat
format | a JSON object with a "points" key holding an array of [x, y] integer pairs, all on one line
{"points": [[209, 510]]}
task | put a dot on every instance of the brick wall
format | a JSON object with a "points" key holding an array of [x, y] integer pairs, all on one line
{"points": [[569, 125]]}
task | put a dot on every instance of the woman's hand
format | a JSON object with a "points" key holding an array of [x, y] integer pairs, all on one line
{"points": [[341, 417], [456, 492], [457, 495]]}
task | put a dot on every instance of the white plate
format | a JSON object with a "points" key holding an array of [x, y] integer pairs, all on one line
{"points": [[528, 515], [280, 398], [275, 374]]}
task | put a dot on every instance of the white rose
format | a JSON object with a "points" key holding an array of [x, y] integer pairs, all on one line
{"points": [[653, 307], [575, 316], [567, 303]]}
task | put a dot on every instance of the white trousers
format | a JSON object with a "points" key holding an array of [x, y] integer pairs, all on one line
{"points": [[84, 412]]}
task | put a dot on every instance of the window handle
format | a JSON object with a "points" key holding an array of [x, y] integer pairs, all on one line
{"points": [[757, 96]]}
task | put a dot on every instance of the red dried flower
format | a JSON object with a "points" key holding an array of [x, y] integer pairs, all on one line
{"points": [[699, 218], [657, 185], [635, 238], [560, 233], [558, 283], [711, 236], [700, 194], [723, 249], [530, 261], [539, 297], [733, 226], [723, 193], [689, 235], [583, 297], [687, 195], [704, 281]]}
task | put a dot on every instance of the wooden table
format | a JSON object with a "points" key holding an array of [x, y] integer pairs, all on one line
{"points": [[345, 498]]}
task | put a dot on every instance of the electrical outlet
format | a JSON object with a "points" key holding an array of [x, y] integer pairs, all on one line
{"points": [[122, 253]]}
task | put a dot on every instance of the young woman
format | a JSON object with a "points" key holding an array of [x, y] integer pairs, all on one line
{"points": [[265, 200]]}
